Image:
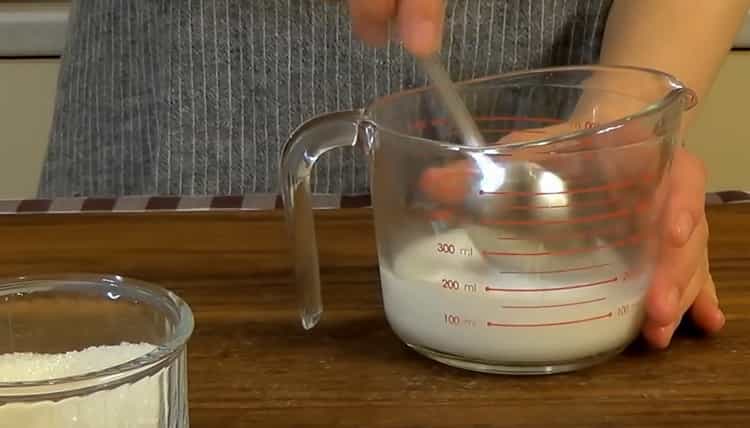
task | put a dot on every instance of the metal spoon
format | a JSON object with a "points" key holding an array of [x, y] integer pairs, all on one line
{"points": [[524, 176], [452, 101]]}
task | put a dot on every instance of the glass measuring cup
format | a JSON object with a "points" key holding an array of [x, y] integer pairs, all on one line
{"points": [[532, 255], [90, 351]]}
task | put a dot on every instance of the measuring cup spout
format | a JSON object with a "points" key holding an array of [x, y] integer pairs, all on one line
{"points": [[305, 146], [689, 99]]}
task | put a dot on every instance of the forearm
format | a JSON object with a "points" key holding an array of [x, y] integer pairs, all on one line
{"points": [[686, 38]]}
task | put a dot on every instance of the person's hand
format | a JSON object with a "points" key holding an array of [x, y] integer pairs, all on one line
{"points": [[682, 281], [419, 22]]}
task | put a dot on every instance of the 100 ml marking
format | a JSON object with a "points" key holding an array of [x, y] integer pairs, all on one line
{"points": [[454, 320], [624, 310]]}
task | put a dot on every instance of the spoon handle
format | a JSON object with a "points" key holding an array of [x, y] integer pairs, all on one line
{"points": [[452, 101]]}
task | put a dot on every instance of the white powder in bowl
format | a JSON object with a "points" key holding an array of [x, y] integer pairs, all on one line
{"points": [[137, 405]]}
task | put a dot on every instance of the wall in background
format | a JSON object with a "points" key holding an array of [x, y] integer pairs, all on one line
{"points": [[27, 94], [721, 135]]}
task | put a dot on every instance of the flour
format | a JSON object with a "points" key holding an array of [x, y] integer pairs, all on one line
{"points": [[138, 405]]}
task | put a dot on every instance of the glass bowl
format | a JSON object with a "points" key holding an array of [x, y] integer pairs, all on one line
{"points": [[90, 351]]}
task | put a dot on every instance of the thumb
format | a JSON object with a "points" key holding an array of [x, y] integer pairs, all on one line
{"points": [[420, 24], [686, 208]]}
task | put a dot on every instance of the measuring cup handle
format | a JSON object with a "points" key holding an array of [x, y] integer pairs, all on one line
{"points": [[305, 146]]}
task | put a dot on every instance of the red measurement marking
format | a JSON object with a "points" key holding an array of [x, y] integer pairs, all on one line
{"points": [[519, 119], [546, 157], [442, 215], [569, 235], [575, 220], [561, 305], [525, 131], [550, 324], [615, 185], [633, 239], [537, 272], [569, 204], [566, 287], [422, 124]]}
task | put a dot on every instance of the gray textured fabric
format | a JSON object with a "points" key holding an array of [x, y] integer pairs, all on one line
{"points": [[197, 96]]}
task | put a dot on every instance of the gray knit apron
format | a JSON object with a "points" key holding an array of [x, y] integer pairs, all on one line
{"points": [[197, 97]]}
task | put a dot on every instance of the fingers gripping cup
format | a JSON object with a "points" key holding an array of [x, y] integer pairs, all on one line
{"points": [[85, 351], [530, 255]]}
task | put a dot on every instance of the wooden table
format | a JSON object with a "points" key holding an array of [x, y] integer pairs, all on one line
{"points": [[251, 364]]}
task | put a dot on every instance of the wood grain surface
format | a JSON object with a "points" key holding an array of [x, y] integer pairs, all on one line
{"points": [[251, 364]]}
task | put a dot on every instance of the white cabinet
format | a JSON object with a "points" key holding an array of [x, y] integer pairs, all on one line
{"points": [[27, 93]]}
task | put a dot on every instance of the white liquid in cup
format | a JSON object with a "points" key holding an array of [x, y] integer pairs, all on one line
{"points": [[138, 405], [442, 302]]}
